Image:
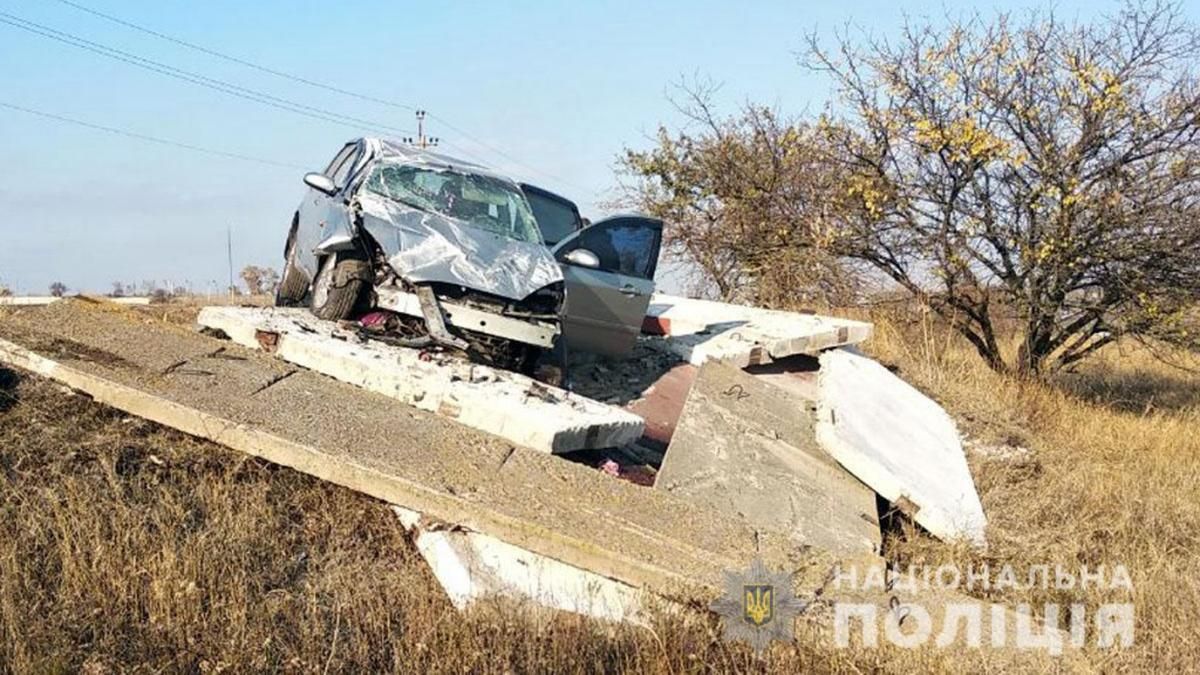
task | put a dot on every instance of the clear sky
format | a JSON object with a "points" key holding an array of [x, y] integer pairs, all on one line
{"points": [[561, 86]]}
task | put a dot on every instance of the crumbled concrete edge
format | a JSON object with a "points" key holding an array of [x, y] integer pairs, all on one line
{"points": [[509, 405]]}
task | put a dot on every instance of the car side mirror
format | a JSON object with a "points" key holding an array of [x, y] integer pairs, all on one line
{"points": [[582, 257], [320, 182]]}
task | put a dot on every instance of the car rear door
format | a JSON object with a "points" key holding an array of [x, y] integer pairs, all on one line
{"points": [[605, 306]]}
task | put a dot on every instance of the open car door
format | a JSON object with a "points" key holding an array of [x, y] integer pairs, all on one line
{"points": [[608, 269]]}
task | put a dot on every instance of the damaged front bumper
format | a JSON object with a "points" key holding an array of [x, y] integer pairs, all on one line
{"points": [[536, 332]]}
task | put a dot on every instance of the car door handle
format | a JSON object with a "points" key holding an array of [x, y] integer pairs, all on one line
{"points": [[629, 290]]}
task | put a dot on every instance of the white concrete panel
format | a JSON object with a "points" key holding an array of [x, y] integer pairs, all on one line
{"points": [[499, 402], [471, 566], [899, 442], [703, 330]]}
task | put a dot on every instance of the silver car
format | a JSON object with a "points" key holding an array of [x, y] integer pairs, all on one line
{"points": [[457, 249]]}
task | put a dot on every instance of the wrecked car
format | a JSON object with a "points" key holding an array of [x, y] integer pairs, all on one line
{"points": [[455, 250]]}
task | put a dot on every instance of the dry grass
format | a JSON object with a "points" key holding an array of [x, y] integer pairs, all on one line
{"points": [[126, 546], [1113, 477]]}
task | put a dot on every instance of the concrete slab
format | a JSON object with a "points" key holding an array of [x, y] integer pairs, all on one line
{"points": [[746, 447], [509, 405], [661, 404], [703, 330], [471, 566], [899, 442], [254, 403]]}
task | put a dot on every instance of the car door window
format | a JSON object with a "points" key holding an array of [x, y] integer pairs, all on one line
{"points": [[339, 168], [556, 218], [624, 245]]}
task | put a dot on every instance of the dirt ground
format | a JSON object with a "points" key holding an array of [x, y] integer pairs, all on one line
{"points": [[128, 547]]}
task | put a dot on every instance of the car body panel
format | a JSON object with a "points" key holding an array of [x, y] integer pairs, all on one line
{"points": [[428, 247], [420, 246]]}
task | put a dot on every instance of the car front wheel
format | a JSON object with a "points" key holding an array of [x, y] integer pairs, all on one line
{"points": [[339, 286], [294, 285]]}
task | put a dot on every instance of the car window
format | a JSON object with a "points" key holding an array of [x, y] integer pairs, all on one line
{"points": [[479, 201], [342, 171], [626, 246], [555, 218]]}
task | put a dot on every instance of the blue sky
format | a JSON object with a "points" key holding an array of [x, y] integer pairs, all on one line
{"points": [[563, 87]]}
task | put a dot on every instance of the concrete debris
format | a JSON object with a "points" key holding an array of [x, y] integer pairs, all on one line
{"points": [[702, 330], [900, 443], [506, 404], [471, 566], [775, 445], [746, 447], [644, 538]]}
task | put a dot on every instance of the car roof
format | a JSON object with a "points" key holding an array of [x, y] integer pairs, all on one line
{"points": [[386, 148]]}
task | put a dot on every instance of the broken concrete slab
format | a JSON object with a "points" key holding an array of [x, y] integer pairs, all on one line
{"points": [[661, 405], [704, 330], [745, 447], [254, 403], [509, 405], [899, 442], [471, 566]]}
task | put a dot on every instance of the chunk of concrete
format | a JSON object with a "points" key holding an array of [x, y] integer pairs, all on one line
{"points": [[498, 402], [704, 330], [472, 566], [748, 448], [899, 442]]}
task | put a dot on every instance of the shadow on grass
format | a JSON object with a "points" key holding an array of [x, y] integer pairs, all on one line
{"points": [[1134, 391], [9, 379]]}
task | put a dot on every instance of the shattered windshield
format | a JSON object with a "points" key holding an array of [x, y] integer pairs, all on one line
{"points": [[480, 201]]}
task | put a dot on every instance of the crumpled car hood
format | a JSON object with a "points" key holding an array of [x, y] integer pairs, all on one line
{"points": [[429, 247]]}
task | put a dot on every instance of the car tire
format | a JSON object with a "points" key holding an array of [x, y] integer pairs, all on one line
{"points": [[339, 286], [294, 284]]}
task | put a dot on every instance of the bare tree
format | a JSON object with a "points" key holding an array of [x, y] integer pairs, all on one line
{"points": [[259, 280], [744, 200], [58, 289]]}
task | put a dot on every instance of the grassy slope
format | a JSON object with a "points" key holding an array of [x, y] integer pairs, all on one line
{"points": [[125, 545]]}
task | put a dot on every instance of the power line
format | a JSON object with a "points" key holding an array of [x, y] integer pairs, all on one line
{"points": [[312, 83], [150, 139], [194, 78], [233, 59]]}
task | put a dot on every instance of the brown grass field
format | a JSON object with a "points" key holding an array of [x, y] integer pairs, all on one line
{"points": [[127, 547]]}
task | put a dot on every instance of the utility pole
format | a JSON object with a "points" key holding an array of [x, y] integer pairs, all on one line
{"points": [[421, 141], [229, 254]]}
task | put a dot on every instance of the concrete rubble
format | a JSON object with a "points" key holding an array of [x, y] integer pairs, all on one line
{"points": [[746, 447], [255, 403], [704, 330], [506, 404], [777, 441], [472, 566]]}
